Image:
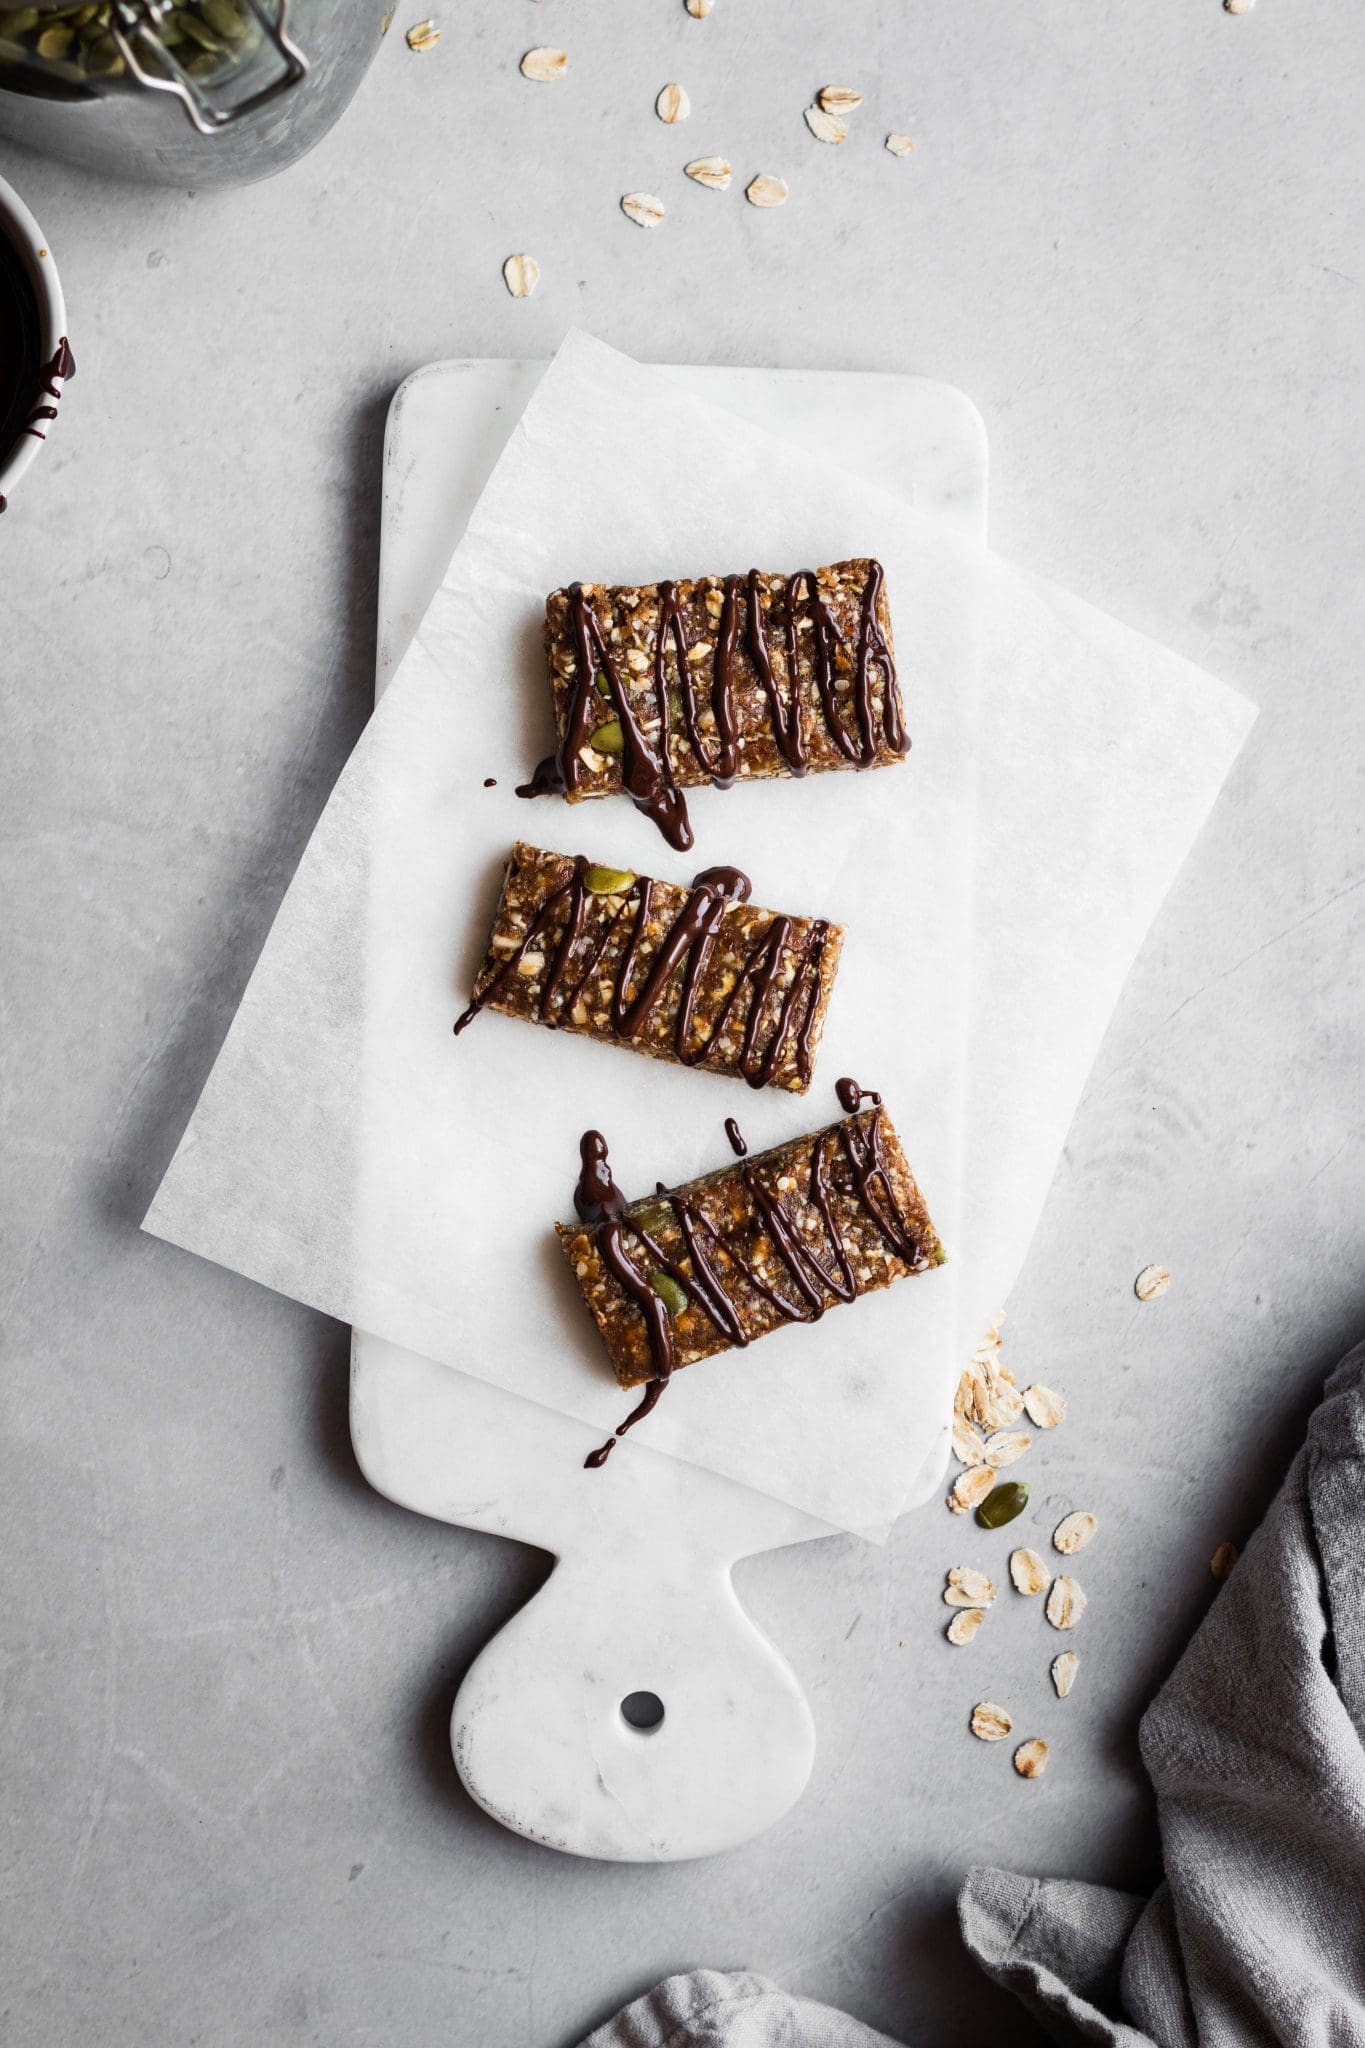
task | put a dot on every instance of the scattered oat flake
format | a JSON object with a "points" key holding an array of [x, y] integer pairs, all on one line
{"points": [[967, 1587], [968, 1447], [1029, 1572], [672, 104], [990, 1723], [543, 65], [643, 208], [1006, 1445], [1044, 1408], [899, 145], [970, 1488], [1223, 1559], [1065, 1603], [423, 35], [699, 9], [1073, 1532], [964, 1626], [386, 21], [521, 275], [1150, 1282], [1238, 6], [838, 99], [1064, 1669], [711, 171], [765, 191], [825, 127], [1030, 1759]]}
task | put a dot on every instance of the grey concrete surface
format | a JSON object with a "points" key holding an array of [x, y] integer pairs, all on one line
{"points": [[1133, 235]]}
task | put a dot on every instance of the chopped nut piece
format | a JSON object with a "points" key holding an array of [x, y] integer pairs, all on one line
{"points": [[765, 191], [543, 65], [715, 173], [1028, 1572], [990, 1723], [970, 1488], [967, 1587], [521, 275], [672, 105], [968, 1447], [1044, 1408], [1150, 1282], [1065, 1603], [1005, 1446], [1223, 1559], [699, 9], [1064, 1669], [899, 145], [1030, 1759], [643, 208], [423, 35], [826, 127], [963, 1627], [1073, 1532], [838, 99]]}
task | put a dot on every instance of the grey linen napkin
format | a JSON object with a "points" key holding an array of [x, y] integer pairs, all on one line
{"points": [[1256, 1748]]}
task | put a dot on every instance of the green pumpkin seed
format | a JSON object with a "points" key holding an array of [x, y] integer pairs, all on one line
{"points": [[599, 682], [609, 738], [198, 31], [204, 63], [671, 1292], [608, 881], [19, 20], [104, 57], [224, 17], [55, 42], [1002, 1504], [940, 1256]]}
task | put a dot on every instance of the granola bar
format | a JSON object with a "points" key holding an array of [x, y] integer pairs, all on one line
{"points": [[698, 975], [779, 1238], [666, 687]]}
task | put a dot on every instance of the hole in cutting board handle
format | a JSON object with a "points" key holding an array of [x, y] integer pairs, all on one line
{"points": [[643, 1711]]}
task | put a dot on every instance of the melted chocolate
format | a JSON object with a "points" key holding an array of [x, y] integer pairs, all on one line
{"points": [[61, 366], [600, 1204], [642, 979], [852, 1097], [646, 767]]}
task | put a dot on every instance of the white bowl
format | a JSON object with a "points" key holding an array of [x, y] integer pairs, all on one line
{"points": [[23, 232]]}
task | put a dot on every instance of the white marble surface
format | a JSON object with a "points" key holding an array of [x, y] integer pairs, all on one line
{"points": [[226, 1798]]}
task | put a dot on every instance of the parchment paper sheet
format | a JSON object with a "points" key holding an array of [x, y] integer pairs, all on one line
{"points": [[347, 1151]]}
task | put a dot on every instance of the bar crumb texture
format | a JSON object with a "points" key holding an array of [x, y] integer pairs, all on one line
{"points": [[694, 975], [844, 1199]]}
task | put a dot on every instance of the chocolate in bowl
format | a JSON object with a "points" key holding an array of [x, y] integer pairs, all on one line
{"points": [[20, 344]]}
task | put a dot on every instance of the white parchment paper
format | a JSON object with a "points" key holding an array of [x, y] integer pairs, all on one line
{"points": [[349, 1152]]}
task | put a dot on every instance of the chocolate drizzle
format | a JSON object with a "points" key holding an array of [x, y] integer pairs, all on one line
{"points": [[640, 979], [813, 1273], [852, 1097], [647, 771], [60, 367]]}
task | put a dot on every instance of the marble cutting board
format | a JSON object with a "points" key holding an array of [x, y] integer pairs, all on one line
{"points": [[718, 1740]]}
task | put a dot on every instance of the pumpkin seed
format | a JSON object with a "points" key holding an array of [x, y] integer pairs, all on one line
{"points": [[671, 1292], [56, 42], [609, 738], [1002, 1504], [223, 16], [651, 1218], [20, 21], [608, 881]]}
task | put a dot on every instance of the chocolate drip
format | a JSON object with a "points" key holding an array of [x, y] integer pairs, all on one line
{"points": [[852, 1097], [599, 1203], [62, 364], [647, 768], [641, 981]]}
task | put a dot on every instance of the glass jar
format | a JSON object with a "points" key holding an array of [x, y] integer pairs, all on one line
{"points": [[182, 92]]}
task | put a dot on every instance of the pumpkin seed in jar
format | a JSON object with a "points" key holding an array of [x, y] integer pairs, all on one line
{"points": [[19, 21], [225, 17], [199, 31], [1002, 1504], [55, 43]]}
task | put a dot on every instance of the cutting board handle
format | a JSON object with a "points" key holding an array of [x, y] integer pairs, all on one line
{"points": [[633, 1712]]}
